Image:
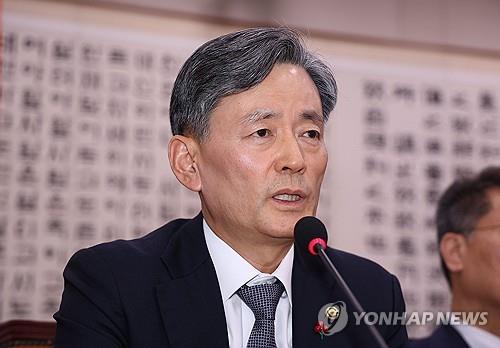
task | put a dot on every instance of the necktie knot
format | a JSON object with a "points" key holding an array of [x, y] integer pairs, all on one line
{"points": [[262, 299]]}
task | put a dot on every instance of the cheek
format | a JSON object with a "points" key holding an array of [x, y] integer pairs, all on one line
{"points": [[217, 161], [487, 253], [318, 163], [235, 167], [249, 164], [495, 258], [324, 160]]}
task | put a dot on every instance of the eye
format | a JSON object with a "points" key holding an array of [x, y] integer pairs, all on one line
{"points": [[261, 133], [313, 134]]}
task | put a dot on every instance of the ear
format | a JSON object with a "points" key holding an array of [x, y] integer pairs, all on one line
{"points": [[182, 153], [453, 248]]}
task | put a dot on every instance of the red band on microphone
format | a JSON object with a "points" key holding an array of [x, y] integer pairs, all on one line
{"points": [[313, 242]]}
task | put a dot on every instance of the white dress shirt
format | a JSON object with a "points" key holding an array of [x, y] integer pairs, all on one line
{"points": [[233, 271], [476, 337]]}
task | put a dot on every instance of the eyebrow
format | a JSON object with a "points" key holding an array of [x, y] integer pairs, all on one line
{"points": [[313, 116], [263, 114], [258, 115]]}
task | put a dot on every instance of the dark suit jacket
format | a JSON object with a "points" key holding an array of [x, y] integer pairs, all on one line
{"points": [[443, 337], [162, 291]]}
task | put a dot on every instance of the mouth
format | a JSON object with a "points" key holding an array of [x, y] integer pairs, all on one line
{"points": [[289, 197]]}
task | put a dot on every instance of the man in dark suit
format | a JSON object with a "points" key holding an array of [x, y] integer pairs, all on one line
{"points": [[444, 336], [247, 112], [468, 226]]}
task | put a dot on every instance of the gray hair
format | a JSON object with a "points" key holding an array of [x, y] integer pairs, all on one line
{"points": [[463, 203], [233, 63]]}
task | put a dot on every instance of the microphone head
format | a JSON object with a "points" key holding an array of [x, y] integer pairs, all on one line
{"points": [[308, 232]]}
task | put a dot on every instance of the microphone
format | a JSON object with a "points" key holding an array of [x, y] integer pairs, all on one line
{"points": [[310, 234]]}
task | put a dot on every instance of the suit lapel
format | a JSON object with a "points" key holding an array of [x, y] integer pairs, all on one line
{"points": [[191, 304], [312, 288], [450, 336], [309, 294]]}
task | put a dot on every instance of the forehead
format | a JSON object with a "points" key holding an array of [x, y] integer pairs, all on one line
{"points": [[284, 74], [288, 89]]}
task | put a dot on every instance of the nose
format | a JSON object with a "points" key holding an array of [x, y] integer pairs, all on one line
{"points": [[289, 156]]}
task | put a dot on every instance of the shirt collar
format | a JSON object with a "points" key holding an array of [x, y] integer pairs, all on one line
{"points": [[477, 337], [233, 271]]}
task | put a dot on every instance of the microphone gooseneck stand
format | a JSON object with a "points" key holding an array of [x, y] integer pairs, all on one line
{"points": [[318, 248]]}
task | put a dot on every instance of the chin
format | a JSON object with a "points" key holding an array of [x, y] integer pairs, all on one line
{"points": [[283, 230]]}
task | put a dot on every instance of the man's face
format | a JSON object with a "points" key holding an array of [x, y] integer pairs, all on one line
{"points": [[262, 165], [481, 273]]}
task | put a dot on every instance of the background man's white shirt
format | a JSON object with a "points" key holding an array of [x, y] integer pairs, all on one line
{"points": [[476, 337]]}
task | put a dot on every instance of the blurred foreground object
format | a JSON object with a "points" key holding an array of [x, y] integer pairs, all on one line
{"points": [[27, 334]]}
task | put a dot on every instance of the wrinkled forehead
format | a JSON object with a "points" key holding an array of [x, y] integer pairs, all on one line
{"points": [[285, 85]]}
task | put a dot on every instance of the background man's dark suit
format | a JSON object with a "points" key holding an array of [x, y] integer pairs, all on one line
{"points": [[162, 291], [443, 337]]}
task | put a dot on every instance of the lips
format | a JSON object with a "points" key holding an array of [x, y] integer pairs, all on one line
{"points": [[287, 198], [289, 195]]}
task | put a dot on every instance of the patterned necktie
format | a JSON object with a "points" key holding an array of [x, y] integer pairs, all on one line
{"points": [[262, 300]]}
